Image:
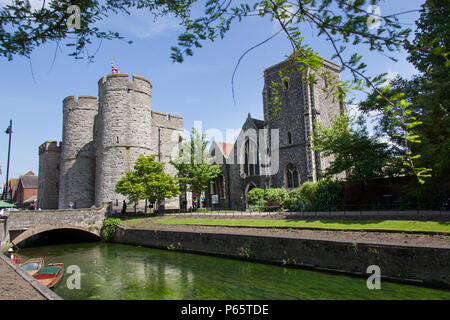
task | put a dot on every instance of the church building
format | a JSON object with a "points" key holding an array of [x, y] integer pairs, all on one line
{"points": [[276, 152]]}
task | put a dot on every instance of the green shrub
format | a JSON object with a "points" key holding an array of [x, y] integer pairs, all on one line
{"points": [[297, 206], [109, 228], [201, 210], [422, 193], [275, 194], [295, 201], [295, 194], [258, 206], [327, 195], [307, 190], [255, 195]]}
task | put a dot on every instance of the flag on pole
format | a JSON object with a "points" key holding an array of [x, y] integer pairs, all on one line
{"points": [[114, 69]]}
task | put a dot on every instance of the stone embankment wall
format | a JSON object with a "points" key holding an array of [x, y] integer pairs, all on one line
{"points": [[429, 265]]}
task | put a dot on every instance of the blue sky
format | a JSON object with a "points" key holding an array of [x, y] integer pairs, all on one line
{"points": [[199, 89]]}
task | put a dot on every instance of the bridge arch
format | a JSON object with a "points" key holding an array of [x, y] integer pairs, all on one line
{"points": [[72, 234]]}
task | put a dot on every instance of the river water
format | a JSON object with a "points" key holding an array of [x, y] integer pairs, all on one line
{"points": [[116, 271]]}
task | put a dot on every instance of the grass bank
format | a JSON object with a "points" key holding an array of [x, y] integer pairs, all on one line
{"points": [[346, 225]]}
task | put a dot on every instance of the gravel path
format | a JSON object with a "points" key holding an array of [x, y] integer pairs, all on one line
{"points": [[14, 287]]}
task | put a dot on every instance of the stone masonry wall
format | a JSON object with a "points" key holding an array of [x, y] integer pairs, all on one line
{"points": [[239, 184], [327, 107], [167, 133], [77, 174], [430, 265], [85, 218], [25, 223], [124, 128], [48, 181]]}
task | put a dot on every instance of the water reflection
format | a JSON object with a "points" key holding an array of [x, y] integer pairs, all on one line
{"points": [[115, 271]]}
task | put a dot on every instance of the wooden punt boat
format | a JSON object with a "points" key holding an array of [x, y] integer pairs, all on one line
{"points": [[50, 275], [33, 266]]}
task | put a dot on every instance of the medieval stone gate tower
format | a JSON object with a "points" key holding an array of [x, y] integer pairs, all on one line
{"points": [[77, 169], [101, 140], [123, 130]]}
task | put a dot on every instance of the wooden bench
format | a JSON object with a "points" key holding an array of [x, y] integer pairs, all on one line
{"points": [[271, 206]]}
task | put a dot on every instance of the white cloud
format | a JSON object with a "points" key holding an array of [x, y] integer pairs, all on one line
{"points": [[144, 26]]}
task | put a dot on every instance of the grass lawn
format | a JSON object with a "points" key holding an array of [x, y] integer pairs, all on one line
{"points": [[382, 225]]}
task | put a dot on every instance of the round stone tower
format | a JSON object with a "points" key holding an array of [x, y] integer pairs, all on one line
{"points": [[77, 172], [123, 131]]}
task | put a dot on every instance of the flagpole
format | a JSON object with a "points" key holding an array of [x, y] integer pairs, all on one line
{"points": [[8, 195]]}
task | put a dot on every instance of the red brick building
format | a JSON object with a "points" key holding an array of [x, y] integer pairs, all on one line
{"points": [[27, 189]]}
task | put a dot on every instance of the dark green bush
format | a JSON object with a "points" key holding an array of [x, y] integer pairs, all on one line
{"points": [[255, 195], [307, 191], [327, 195], [275, 194]]}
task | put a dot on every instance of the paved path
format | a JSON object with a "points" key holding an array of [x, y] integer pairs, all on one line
{"points": [[14, 287], [16, 284]]}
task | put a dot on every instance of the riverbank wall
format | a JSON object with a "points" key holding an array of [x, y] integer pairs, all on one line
{"points": [[16, 284], [423, 265]]}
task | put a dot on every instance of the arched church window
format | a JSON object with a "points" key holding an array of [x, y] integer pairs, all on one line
{"points": [[250, 158], [289, 138], [292, 176]]}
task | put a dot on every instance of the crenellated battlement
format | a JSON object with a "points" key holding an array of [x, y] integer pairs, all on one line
{"points": [[162, 119], [80, 102], [80, 98], [102, 138], [120, 81], [49, 146]]}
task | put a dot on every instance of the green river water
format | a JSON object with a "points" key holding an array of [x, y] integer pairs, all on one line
{"points": [[116, 271]]}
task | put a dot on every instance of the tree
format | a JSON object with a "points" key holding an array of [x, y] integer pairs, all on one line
{"points": [[354, 150], [23, 28], [427, 94], [193, 164], [130, 187], [341, 22], [147, 181]]}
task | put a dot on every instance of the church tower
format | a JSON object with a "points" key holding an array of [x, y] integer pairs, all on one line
{"points": [[300, 104]]}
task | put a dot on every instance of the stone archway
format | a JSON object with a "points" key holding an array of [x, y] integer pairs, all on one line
{"points": [[29, 233]]}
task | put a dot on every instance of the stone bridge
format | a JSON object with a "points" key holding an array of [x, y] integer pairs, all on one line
{"points": [[18, 226]]}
